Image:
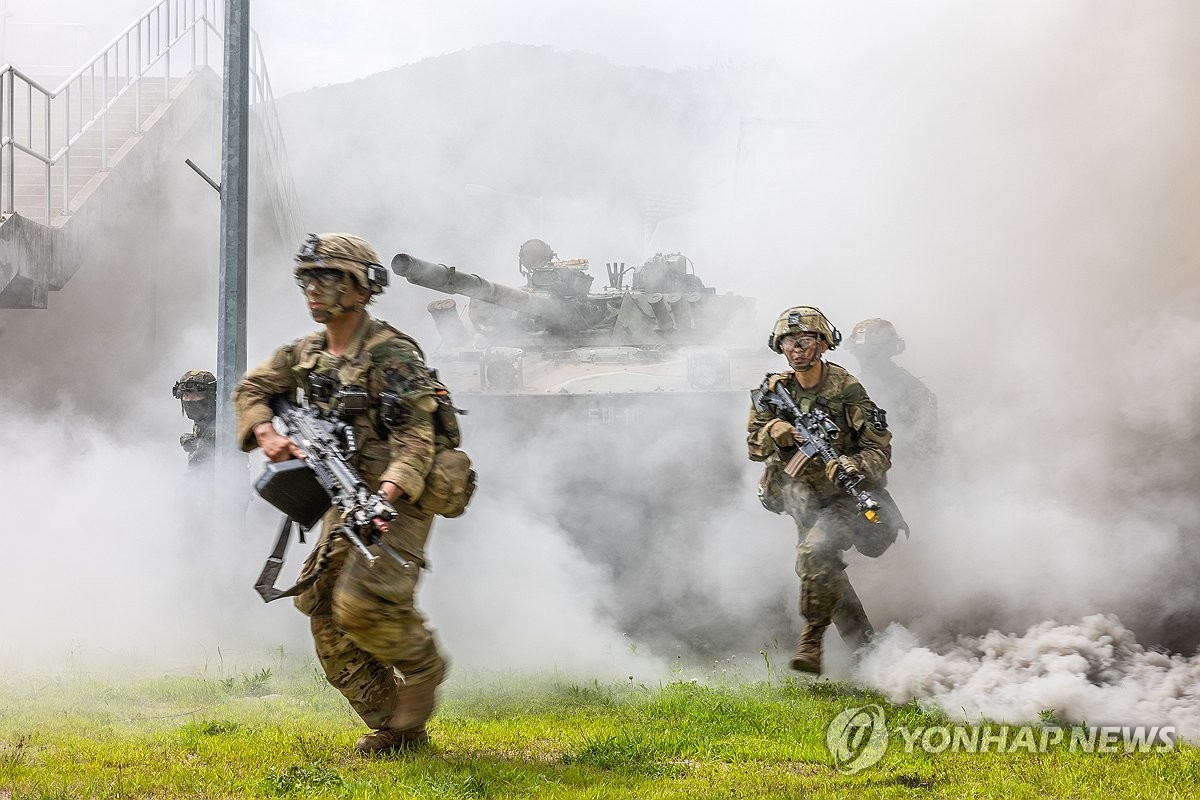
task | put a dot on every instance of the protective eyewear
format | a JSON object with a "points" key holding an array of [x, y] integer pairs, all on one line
{"points": [[323, 277], [193, 387], [802, 340]]}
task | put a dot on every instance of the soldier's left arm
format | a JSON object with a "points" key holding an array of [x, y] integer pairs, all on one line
{"points": [[875, 457], [404, 373], [759, 444]]}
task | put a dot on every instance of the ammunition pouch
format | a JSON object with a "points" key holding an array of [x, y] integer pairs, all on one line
{"points": [[350, 401], [392, 412], [292, 487], [321, 387], [770, 488], [449, 484], [872, 539]]}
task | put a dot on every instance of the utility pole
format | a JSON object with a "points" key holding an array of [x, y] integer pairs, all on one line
{"points": [[231, 287]]}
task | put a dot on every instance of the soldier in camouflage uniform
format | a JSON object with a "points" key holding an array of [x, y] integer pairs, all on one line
{"points": [[371, 640], [912, 408], [196, 392], [826, 517]]}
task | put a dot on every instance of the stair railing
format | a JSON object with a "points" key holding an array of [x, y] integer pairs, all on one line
{"points": [[149, 47]]}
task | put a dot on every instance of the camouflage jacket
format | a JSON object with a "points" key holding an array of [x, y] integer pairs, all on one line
{"points": [[399, 447], [912, 407], [864, 436], [199, 444]]}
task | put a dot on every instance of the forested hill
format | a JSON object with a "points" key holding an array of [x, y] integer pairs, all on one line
{"points": [[564, 141]]}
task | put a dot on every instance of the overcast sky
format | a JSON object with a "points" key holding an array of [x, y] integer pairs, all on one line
{"points": [[316, 42]]}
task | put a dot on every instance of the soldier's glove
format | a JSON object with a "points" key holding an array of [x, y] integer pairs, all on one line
{"points": [[783, 433], [847, 464], [379, 508]]}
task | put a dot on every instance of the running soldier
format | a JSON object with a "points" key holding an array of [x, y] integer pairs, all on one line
{"points": [[828, 521], [371, 640]]}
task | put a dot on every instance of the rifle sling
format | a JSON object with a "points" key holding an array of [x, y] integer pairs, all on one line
{"points": [[265, 585]]}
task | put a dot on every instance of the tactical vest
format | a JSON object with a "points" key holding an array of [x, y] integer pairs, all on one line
{"points": [[353, 388], [808, 399]]}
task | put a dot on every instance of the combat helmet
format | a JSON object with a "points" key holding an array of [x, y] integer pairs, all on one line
{"points": [[875, 335], [804, 319], [195, 382], [196, 391], [345, 252]]}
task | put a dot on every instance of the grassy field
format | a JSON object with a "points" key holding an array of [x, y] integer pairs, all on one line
{"points": [[266, 733]]}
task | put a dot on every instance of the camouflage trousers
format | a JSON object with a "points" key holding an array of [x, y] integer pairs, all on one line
{"points": [[826, 529], [369, 637]]}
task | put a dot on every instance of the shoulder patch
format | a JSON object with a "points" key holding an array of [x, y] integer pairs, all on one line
{"points": [[395, 350]]}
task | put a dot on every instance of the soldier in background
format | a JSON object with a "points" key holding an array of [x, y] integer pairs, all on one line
{"points": [[912, 408], [196, 392], [827, 520]]}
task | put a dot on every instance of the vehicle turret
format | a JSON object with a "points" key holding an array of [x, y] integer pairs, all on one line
{"points": [[661, 303]]}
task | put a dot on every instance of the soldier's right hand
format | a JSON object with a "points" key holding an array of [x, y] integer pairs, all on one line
{"points": [[274, 444], [783, 433]]}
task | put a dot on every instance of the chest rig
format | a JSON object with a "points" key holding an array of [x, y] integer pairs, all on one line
{"points": [[347, 387], [352, 387], [806, 399]]}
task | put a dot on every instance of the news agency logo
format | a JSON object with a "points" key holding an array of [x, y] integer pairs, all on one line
{"points": [[858, 737]]}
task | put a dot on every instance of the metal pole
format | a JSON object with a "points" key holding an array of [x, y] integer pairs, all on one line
{"points": [[167, 59], [231, 291], [104, 116], [49, 163], [67, 151], [4, 79], [137, 85], [10, 182]]}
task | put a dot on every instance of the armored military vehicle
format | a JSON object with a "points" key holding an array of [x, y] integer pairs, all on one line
{"points": [[654, 328], [616, 415]]}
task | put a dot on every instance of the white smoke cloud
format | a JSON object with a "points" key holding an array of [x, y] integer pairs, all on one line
{"points": [[1009, 183], [115, 558], [1092, 672]]}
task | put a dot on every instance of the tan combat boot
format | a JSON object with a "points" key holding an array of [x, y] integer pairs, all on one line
{"points": [[389, 740], [808, 651], [412, 705]]}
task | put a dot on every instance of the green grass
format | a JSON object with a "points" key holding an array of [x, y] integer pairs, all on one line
{"points": [[270, 733]]}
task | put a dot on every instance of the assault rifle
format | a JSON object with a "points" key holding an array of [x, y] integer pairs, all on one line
{"points": [[815, 434], [304, 489]]}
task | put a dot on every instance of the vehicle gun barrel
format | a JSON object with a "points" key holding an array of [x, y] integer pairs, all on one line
{"points": [[553, 312]]}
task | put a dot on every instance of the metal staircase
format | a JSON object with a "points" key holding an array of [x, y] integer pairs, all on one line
{"points": [[40, 186], [57, 146]]}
